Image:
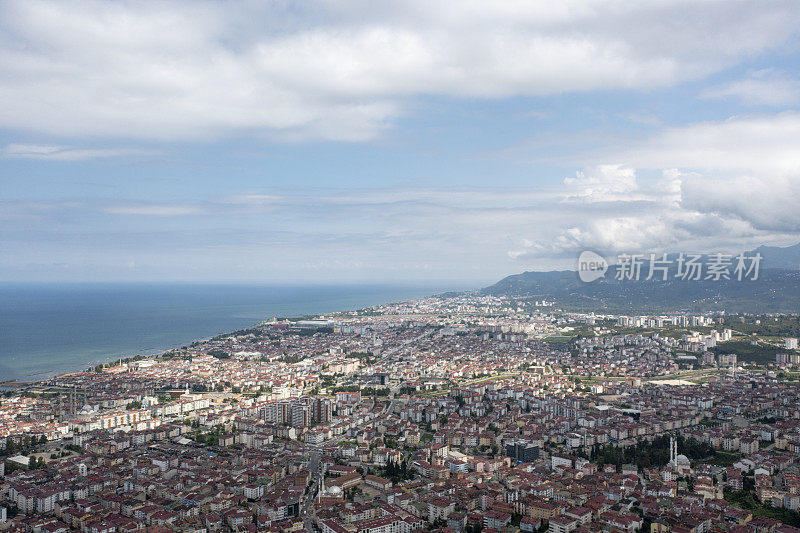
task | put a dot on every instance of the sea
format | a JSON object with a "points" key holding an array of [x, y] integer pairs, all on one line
{"points": [[49, 329]]}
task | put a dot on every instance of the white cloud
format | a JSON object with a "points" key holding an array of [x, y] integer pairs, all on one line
{"points": [[363, 234], [755, 143], [473, 197], [716, 186], [64, 153], [730, 183], [155, 210], [603, 183], [342, 70], [605, 208], [253, 199], [761, 87], [745, 169], [669, 186], [768, 203], [622, 233]]}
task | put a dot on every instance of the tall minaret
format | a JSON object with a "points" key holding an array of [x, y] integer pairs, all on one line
{"points": [[673, 451]]}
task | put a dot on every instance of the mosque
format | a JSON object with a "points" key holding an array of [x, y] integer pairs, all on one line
{"points": [[680, 464]]}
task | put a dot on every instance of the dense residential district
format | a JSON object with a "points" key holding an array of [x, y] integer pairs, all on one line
{"points": [[453, 414]]}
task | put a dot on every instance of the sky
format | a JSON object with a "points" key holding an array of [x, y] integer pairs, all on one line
{"points": [[354, 141]]}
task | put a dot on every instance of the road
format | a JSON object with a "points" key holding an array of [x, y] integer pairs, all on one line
{"points": [[316, 450], [391, 351], [313, 467], [317, 472]]}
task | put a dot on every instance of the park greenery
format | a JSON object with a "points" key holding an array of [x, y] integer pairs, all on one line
{"points": [[650, 454], [746, 499], [397, 471], [748, 352]]}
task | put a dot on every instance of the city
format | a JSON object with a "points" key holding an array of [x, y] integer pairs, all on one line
{"points": [[460, 413], [355, 266]]}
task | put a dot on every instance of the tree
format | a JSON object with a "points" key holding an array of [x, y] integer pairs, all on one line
{"points": [[11, 447], [219, 354]]}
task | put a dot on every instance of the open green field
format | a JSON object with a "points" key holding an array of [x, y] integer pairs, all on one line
{"points": [[558, 339]]}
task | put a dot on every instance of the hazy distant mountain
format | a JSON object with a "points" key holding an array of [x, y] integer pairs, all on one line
{"points": [[776, 290], [787, 258]]}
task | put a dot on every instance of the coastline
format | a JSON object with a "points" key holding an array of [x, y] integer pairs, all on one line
{"points": [[50, 374], [67, 329]]}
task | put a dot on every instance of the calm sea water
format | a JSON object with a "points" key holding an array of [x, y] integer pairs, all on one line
{"points": [[47, 329]]}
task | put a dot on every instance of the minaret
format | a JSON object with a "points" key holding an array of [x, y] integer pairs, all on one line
{"points": [[676, 452], [673, 455]]}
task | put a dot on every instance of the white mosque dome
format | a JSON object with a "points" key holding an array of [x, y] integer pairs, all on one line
{"points": [[335, 490], [682, 460]]}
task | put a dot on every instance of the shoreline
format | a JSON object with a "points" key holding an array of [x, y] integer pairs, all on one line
{"points": [[347, 299], [46, 375]]}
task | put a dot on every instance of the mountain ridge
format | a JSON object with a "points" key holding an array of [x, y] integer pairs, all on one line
{"points": [[777, 289]]}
